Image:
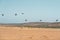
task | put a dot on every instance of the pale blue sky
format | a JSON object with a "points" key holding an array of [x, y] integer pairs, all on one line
{"points": [[34, 10]]}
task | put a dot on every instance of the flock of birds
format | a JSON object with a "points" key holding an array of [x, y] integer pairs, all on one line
{"points": [[15, 15], [26, 19]]}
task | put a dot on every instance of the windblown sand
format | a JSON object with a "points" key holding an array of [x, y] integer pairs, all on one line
{"points": [[18, 33]]}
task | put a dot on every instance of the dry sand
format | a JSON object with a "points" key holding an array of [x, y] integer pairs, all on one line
{"points": [[17, 33]]}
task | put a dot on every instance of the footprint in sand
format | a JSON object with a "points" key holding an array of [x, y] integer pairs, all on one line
{"points": [[44, 37]]}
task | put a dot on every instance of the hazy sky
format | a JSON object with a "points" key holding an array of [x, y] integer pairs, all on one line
{"points": [[34, 10]]}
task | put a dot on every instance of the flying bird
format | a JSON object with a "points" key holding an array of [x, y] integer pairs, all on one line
{"points": [[22, 13], [16, 14], [2, 14], [26, 20]]}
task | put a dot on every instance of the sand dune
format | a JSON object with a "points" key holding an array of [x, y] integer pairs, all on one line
{"points": [[18, 33]]}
